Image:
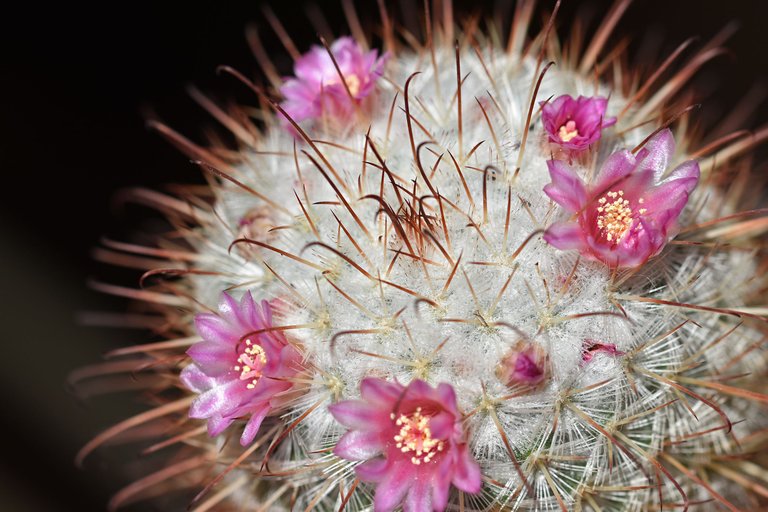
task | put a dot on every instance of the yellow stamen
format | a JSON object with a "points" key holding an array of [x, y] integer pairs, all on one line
{"points": [[416, 436], [252, 361], [568, 131], [614, 216], [352, 81]]}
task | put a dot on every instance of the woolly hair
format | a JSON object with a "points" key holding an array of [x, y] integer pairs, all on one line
{"points": [[407, 244]]}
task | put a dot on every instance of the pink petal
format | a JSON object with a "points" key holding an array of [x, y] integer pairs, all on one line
{"points": [[566, 188], [229, 308], [442, 425], [214, 359], [419, 497], [616, 168], [419, 390], [391, 491], [266, 313], [358, 445], [296, 90], [195, 379], [565, 235], [588, 115], [373, 470], [288, 363], [688, 170], [252, 427], [526, 368], [249, 310], [657, 152], [356, 414], [380, 392], [219, 400], [441, 483], [266, 390], [215, 329], [447, 396], [672, 193], [553, 113], [274, 353], [218, 424], [467, 475], [312, 65]]}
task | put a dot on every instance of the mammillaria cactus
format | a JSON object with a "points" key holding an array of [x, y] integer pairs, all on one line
{"points": [[450, 275]]}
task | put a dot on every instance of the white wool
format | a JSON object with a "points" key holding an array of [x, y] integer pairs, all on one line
{"points": [[577, 456]]}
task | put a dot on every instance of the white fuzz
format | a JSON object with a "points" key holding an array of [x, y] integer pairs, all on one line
{"points": [[593, 428]]}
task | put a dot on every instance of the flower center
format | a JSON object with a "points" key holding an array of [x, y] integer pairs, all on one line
{"points": [[614, 216], [415, 437], [251, 363], [568, 131], [353, 83]]}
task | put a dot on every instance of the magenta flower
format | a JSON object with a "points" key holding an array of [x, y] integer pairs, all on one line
{"points": [[630, 212], [525, 364], [412, 443], [575, 124], [238, 371], [318, 88]]}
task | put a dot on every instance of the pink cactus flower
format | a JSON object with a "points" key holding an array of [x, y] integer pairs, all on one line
{"points": [[630, 211], [575, 124], [318, 88], [592, 347], [412, 443], [525, 364], [238, 371]]}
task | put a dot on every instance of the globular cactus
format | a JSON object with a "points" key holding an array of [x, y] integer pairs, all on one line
{"points": [[465, 273]]}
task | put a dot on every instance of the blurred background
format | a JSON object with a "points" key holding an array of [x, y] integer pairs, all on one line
{"points": [[75, 85]]}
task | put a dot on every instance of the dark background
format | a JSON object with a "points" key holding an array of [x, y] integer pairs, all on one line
{"points": [[75, 82]]}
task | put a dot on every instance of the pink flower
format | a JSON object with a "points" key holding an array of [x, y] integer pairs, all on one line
{"points": [[630, 212], [592, 347], [525, 364], [318, 89], [575, 124], [237, 372], [412, 443]]}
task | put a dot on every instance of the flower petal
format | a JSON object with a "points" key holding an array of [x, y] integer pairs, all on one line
{"points": [[441, 483], [657, 152], [672, 193], [358, 445], [356, 414], [442, 425], [617, 167], [373, 470], [195, 379], [379, 391], [214, 359], [419, 497], [215, 329], [218, 424], [219, 400], [565, 235], [249, 312], [391, 491], [566, 188], [252, 427], [419, 390], [467, 471], [447, 397]]}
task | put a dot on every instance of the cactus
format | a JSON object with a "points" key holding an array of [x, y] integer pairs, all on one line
{"points": [[450, 275]]}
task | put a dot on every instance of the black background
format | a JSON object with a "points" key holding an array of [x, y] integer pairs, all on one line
{"points": [[75, 82]]}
